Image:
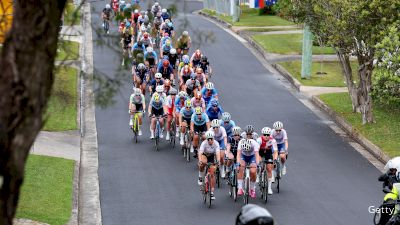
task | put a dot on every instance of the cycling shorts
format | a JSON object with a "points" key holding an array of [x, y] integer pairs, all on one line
{"points": [[157, 112], [210, 157], [266, 154], [139, 107], [248, 159], [201, 128], [281, 148], [221, 144], [186, 119]]}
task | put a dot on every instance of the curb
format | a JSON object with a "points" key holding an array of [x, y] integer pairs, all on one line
{"points": [[351, 132]]}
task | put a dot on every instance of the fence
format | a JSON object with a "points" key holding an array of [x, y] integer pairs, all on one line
{"points": [[225, 7]]}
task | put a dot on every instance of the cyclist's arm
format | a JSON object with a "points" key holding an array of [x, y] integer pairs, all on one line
{"points": [[238, 153], [144, 103], [191, 126]]}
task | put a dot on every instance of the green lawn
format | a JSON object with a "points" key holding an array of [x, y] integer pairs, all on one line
{"points": [[67, 50], [287, 44], [333, 78], [270, 29], [62, 108], [250, 18], [384, 133], [72, 16], [46, 193]]}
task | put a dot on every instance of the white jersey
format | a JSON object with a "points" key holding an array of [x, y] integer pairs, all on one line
{"points": [[209, 149], [270, 143], [169, 102], [280, 137], [255, 135], [220, 135], [255, 147]]}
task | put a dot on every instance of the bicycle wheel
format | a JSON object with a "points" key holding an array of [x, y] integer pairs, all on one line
{"points": [[136, 128], [234, 185], [204, 191], [217, 176], [278, 175], [246, 191], [209, 190], [265, 186]]}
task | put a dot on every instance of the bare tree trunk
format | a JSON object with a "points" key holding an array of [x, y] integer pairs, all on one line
{"points": [[364, 88], [26, 78], [348, 74]]}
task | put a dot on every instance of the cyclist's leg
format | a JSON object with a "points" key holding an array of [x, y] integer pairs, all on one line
{"points": [[212, 173], [202, 164], [241, 173]]}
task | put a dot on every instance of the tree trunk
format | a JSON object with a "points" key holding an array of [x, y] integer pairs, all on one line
{"points": [[26, 78], [348, 74], [364, 88]]}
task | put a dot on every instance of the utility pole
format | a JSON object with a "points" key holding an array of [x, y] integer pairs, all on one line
{"points": [[306, 62], [235, 10]]}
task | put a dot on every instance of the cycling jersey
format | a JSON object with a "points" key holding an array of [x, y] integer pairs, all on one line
{"points": [[170, 103], [173, 59], [228, 126], [267, 143], [198, 103], [280, 137], [157, 105], [199, 120], [107, 13], [186, 114], [135, 17], [165, 15], [208, 95], [183, 43], [185, 75], [150, 57], [154, 84], [234, 145], [220, 134], [208, 149], [253, 149], [205, 66], [155, 9], [141, 74], [137, 99], [138, 48], [213, 113], [166, 71]]}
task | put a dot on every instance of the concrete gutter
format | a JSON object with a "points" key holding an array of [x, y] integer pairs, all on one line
{"points": [[89, 192], [351, 132]]}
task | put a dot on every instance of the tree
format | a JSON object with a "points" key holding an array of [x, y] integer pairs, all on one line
{"points": [[352, 27], [26, 64]]}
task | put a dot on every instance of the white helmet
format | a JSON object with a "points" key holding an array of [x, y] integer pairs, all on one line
{"points": [[156, 4], [149, 49], [215, 123], [136, 11], [185, 33], [236, 130], [278, 125], [122, 2], [245, 145], [158, 75], [138, 92], [226, 117], [172, 51], [163, 10], [266, 130], [393, 164], [108, 6], [160, 88], [209, 86], [143, 28], [128, 5], [209, 134]]}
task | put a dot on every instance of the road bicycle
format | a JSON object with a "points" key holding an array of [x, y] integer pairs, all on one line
{"points": [[187, 143], [246, 184], [278, 172], [106, 26], [232, 180], [157, 131], [136, 126], [172, 132], [206, 186], [263, 180]]}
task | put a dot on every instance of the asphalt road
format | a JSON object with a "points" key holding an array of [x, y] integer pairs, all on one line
{"points": [[328, 182]]}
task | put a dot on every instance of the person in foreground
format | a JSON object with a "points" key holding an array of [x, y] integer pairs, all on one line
{"points": [[251, 214]]}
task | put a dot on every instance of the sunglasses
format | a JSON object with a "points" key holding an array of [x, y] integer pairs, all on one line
{"points": [[158, 78], [265, 135], [236, 135], [278, 130], [215, 127], [214, 106], [210, 139]]}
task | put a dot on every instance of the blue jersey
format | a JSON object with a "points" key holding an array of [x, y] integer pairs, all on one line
{"points": [[187, 114], [150, 55], [208, 96], [213, 113], [199, 121], [166, 48], [154, 83], [179, 104], [137, 47], [157, 105], [228, 127]]}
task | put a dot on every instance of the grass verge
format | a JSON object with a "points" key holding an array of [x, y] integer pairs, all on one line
{"points": [[46, 193], [67, 50], [62, 107], [271, 29], [72, 15], [333, 78], [287, 44], [384, 133]]}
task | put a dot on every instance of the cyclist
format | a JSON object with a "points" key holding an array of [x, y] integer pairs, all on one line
{"points": [[135, 16], [156, 109], [280, 135], [121, 27], [200, 76], [180, 102], [184, 43], [127, 35], [157, 81], [142, 30], [209, 92], [140, 77], [185, 61], [205, 65], [156, 8], [196, 58], [251, 214], [115, 6], [268, 151], [214, 109], [247, 154], [199, 123], [146, 39], [167, 27], [165, 48], [142, 18], [150, 58], [192, 85], [106, 15], [209, 152], [185, 115], [221, 138], [161, 93], [227, 123], [184, 76], [170, 109], [137, 103], [167, 71], [164, 38], [231, 148], [158, 20], [138, 48], [173, 58], [165, 15], [249, 133], [198, 101], [122, 5]]}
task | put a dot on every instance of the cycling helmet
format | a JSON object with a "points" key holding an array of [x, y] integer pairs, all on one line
{"points": [[167, 83], [226, 117], [188, 103], [136, 11], [245, 145], [249, 129], [108, 6], [128, 5], [156, 97], [146, 35], [204, 58], [209, 86], [181, 94], [198, 110], [251, 214], [127, 24], [199, 70], [209, 134], [266, 130], [173, 91], [167, 21], [141, 66], [169, 24], [236, 130], [278, 125], [149, 49], [138, 92], [186, 59], [156, 4], [143, 29], [163, 10], [172, 51], [165, 62], [185, 33], [160, 88], [193, 76], [158, 75], [215, 123]]}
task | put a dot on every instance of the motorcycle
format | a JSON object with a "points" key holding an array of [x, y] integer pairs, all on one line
{"points": [[388, 213]]}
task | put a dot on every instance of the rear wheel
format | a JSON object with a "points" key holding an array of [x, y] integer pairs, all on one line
{"points": [[209, 190], [247, 191], [265, 187]]}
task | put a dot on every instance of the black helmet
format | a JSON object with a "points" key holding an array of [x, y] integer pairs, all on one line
{"points": [[254, 215], [249, 129], [204, 58]]}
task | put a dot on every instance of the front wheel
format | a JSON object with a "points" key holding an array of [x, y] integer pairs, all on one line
{"points": [[209, 190]]}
